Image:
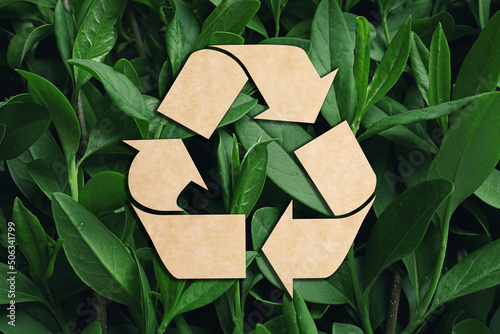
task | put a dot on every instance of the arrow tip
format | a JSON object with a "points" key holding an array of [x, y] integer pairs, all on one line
{"points": [[137, 144]]}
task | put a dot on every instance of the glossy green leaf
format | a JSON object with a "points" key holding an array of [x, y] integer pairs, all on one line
{"points": [[391, 66], [64, 31], [282, 169], [230, 16], [201, 293], [362, 59], [261, 329], [104, 193], [126, 68], [98, 257], [470, 150], [148, 314], [93, 328], [439, 69], [225, 38], [478, 271], [240, 107], [304, 44], [339, 328], [24, 124], [50, 174], [32, 241], [484, 12], [25, 40], [224, 163], [489, 191], [61, 111], [121, 90], [406, 220], [470, 326], [419, 57], [251, 179], [418, 115], [333, 48], [96, 35], [298, 319], [25, 289], [181, 33], [480, 70], [425, 27]]}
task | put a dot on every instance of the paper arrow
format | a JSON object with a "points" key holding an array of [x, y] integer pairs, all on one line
{"points": [[287, 80], [206, 87], [198, 246], [159, 173], [310, 248], [339, 169]]}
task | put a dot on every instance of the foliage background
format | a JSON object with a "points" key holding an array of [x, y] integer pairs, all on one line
{"points": [[418, 91]]}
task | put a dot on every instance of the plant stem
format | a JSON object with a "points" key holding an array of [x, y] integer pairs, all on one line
{"points": [[139, 44], [159, 129], [386, 28], [81, 120], [360, 302], [73, 179], [238, 321], [100, 311], [392, 314], [56, 311], [423, 311]]}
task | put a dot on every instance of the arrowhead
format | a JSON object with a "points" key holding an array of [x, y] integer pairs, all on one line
{"points": [[198, 246], [160, 171], [310, 248], [286, 79]]}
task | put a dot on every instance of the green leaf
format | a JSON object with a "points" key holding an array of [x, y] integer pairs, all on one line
{"points": [[98, 257], [391, 66], [44, 3], [282, 168], [251, 179], [64, 117], [339, 328], [402, 226], [419, 57], [122, 91], [225, 38], [304, 44], [24, 124], [126, 68], [470, 150], [480, 70], [50, 174], [25, 289], [2, 133], [425, 28], [64, 31], [170, 288], [224, 163], [52, 259], [181, 33], [298, 319], [334, 290], [104, 193], [96, 35], [261, 329], [468, 326], [229, 16], [25, 40], [333, 48], [362, 59], [200, 293], [484, 12], [439, 69], [489, 191], [93, 328], [240, 107], [148, 316], [263, 222], [478, 271], [32, 241], [418, 115]]}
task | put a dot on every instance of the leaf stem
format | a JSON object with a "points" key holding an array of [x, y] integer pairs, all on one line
{"points": [[386, 28], [423, 311], [238, 328], [73, 179], [81, 120], [100, 312], [139, 44], [159, 129], [360, 302], [392, 314], [56, 311]]}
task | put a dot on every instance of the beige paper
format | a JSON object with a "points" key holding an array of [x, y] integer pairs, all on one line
{"points": [[310, 248], [159, 173], [287, 80], [339, 169], [198, 246], [204, 90]]}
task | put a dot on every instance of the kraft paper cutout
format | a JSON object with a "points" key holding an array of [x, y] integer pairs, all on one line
{"points": [[159, 173], [213, 246], [204, 90], [310, 248], [344, 176], [198, 246], [287, 80]]}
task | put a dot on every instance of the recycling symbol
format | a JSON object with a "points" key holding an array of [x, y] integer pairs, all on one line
{"points": [[213, 246]]}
